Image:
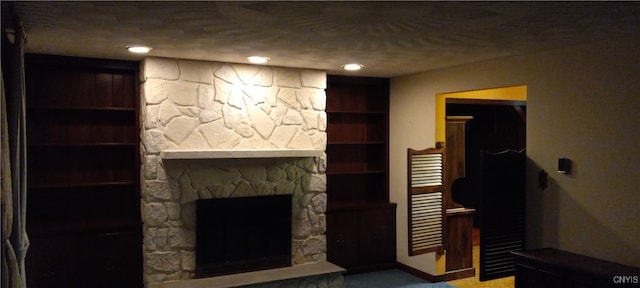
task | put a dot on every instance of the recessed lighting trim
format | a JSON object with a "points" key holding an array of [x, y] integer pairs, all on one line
{"points": [[139, 49], [352, 66], [258, 59]]}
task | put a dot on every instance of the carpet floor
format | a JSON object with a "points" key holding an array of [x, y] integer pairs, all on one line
{"points": [[394, 278]]}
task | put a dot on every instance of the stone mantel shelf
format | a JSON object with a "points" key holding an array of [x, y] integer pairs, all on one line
{"points": [[237, 154]]}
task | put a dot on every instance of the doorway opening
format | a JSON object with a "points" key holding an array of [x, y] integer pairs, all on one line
{"points": [[496, 122]]}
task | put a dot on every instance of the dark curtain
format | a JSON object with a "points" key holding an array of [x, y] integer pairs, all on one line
{"points": [[13, 167]]}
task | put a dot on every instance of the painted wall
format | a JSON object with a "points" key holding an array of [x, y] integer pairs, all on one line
{"points": [[582, 104]]}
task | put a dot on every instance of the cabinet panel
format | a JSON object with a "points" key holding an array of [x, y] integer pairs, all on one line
{"points": [[58, 165], [356, 189], [90, 260], [78, 126], [378, 228], [342, 238], [60, 210], [362, 239], [62, 86], [356, 128], [356, 158]]}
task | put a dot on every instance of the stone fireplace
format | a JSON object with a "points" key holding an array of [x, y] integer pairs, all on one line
{"points": [[199, 107]]}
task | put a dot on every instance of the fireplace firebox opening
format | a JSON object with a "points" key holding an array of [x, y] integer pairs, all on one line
{"points": [[242, 234]]}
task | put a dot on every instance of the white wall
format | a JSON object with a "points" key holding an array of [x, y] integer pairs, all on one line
{"points": [[582, 104]]}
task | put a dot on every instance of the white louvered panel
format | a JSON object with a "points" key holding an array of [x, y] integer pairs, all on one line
{"points": [[426, 214], [426, 170]]}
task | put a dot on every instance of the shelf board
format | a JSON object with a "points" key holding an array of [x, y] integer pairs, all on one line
{"points": [[78, 228], [77, 145], [355, 172], [355, 142], [239, 154], [355, 112], [78, 108], [81, 185], [336, 206]]}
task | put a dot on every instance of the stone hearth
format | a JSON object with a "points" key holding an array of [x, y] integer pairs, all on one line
{"points": [[196, 105]]}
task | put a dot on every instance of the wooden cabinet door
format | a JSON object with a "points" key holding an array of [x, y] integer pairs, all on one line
{"points": [[342, 238], [377, 230]]}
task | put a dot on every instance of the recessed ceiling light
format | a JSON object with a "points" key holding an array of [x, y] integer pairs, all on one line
{"points": [[139, 49], [352, 66], [258, 59]]}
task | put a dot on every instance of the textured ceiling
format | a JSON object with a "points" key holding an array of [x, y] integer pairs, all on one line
{"points": [[389, 38]]}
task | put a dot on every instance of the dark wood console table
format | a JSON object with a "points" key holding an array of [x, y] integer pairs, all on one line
{"points": [[551, 268]]}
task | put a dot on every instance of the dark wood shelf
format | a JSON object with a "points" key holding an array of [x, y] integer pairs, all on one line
{"points": [[358, 143], [360, 219], [82, 145], [86, 227], [356, 112], [84, 172], [52, 108], [356, 172], [82, 185]]}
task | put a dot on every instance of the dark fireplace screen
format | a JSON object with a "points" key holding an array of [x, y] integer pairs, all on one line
{"points": [[235, 235]]}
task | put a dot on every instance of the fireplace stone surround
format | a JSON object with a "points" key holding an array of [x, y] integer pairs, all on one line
{"points": [[208, 106]]}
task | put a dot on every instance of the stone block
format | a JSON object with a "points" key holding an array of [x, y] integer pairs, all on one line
{"points": [[180, 237], [154, 141], [313, 78], [254, 74], [173, 210], [288, 78], [282, 135], [150, 236], [150, 167], [163, 261], [181, 93], [206, 96], [317, 183], [153, 91], [310, 119], [288, 96], [154, 214], [196, 71], [293, 117], [195, 141], [179, 128], [218, 137], [319, 203], [163, 68], [222, 90], [261, 122], [322, 121], [228, 74], [188, 260], [157, 190], [162, 240], [150, 116], [300, 141], [212, 114], [318, 100], [303, 97]]}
